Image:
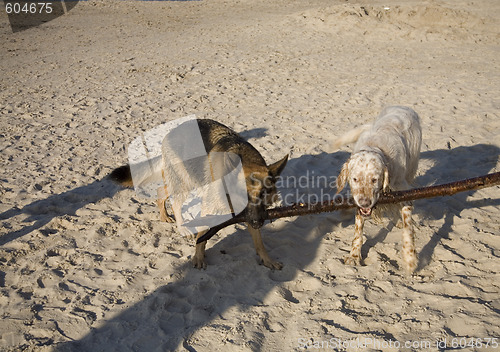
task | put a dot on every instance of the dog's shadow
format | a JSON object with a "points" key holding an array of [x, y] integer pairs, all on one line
{"points": [[254, 133], [41, 212], [448, 165]]}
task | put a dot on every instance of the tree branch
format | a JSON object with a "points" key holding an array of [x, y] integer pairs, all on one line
{"points": [[340, 202]]}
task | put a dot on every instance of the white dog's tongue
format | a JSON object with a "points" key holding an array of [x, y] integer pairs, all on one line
{"points": [[365, 211]]}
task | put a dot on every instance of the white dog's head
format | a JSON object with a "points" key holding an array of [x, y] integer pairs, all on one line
{"points": [[367, 175]]}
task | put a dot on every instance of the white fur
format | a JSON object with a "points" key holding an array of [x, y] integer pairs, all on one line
{"points": [[385, 157]]}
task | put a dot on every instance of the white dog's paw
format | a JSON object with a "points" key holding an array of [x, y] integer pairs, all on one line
{"points": [[410, 263], [352, 260]]}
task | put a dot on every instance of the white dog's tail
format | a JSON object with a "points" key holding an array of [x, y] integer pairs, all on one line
{"points": [[350, 137]]}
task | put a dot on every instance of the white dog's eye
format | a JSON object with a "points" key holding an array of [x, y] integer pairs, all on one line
{"points": [[374, 180], [355, 179]]}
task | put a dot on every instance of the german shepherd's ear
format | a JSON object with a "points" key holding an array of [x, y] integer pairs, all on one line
{"points": [[385, 187], [342, 177], [276, 168]]}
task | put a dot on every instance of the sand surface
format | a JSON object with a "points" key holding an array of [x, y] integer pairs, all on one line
{"points": [[87, 266]]}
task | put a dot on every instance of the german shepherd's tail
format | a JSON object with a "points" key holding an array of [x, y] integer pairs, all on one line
{"points": [[147, 171], [350, 137], [122, 175]]}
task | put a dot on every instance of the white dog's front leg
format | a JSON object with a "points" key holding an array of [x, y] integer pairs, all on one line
{"points": [[409, 253], [354, 258]]}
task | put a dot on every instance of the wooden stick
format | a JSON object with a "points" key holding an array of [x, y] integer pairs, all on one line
{"points": [[340, 202]]}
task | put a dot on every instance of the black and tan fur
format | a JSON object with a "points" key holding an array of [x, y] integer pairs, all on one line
{"points": [[260, 181]]}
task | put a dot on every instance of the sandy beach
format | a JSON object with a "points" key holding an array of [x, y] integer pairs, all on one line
{"points": [[86, 265]]}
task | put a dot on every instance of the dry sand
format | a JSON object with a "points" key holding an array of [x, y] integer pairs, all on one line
{"points": [[87, 266]]}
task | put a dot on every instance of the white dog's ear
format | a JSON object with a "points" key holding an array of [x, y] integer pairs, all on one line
{"points": [[342, 177], [385, 187]]}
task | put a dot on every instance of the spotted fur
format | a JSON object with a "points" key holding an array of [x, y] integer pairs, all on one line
{"points": [[385, 157]]}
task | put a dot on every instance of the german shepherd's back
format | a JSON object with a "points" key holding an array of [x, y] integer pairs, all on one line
{"points": [[216, 138]]}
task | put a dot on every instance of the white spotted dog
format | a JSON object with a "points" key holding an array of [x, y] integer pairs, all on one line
{"points": [[385, 157]]}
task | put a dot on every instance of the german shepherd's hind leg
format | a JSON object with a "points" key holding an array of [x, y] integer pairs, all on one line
{"points": [[162, 198], [164, 216], [261, 250], [199, 254]]}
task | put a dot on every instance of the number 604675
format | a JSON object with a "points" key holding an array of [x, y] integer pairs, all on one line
{"points": [[28, 8], [465, 342]]}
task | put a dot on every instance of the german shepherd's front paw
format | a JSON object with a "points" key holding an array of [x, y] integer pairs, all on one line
{"points": [[272, 264], [199, 263]]}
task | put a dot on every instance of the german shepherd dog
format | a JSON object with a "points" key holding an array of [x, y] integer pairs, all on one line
{"points": [[260, 181]]}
